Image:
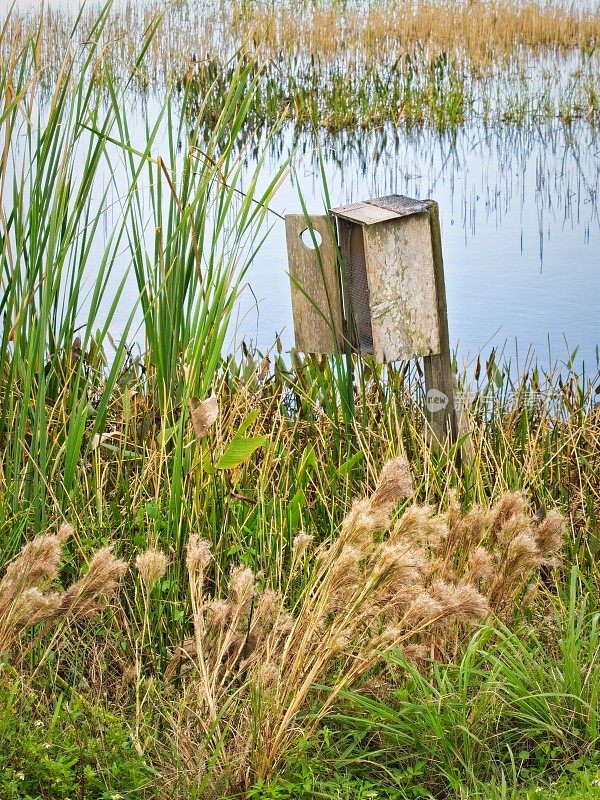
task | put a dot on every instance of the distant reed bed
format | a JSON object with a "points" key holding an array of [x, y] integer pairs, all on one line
{"points": [[432, 62]]}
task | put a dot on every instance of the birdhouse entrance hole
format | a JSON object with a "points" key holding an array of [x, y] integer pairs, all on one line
{"points": [[311, 239]]}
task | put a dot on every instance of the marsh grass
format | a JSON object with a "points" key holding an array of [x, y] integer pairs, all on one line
{"points": [[59, 264], [28, 599], [432, 63], [514, 705], [219, 476], [250, 681], [258, 659]]}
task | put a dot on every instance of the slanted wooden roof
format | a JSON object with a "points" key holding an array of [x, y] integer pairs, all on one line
{"points": [[382, 209]]}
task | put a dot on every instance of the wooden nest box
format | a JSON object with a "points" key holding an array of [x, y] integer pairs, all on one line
{"points": [[374, 283]]}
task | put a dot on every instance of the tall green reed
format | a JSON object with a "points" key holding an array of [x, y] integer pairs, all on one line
{"points": [[50, 216], [64, 274]]}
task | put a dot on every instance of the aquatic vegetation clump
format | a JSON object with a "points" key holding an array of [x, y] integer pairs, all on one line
{"points": [[431, 63]]}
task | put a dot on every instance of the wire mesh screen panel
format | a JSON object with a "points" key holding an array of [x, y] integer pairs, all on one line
{"points": [[357, 306], [359, 291]]}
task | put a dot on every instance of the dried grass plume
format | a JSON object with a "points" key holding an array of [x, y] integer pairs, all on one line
{"points": [[151, 565], [26, 598], [204, 415]]}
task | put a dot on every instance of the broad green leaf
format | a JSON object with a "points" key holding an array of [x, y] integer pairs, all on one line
{"points": [[240, 449], [252, 416], [293, 509]]}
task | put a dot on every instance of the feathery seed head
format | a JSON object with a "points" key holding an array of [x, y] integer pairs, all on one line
{"points": [[471, 606], [480, 567], [269, 607], [219, 610], [362, 521], [31, 607], [418, 525], [550, 533], [424, 609], [199, 554], [402, 564], [514, 526], [509, 505], [395, 482], [37, 562], [460, 601], [65, 532], [104, 572], [242, 586], [522, 556], [301, 542], [151, 566]]}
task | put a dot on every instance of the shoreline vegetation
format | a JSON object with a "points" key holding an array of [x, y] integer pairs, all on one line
{"points": [[250, 576]]}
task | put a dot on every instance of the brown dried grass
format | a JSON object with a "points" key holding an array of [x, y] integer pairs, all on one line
{"points": [[26, 598], [479, 33], [257, 657], [479, 30]]}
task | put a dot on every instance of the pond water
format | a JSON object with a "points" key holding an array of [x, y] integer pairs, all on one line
{"points": [[520, 229], [520, 224]]}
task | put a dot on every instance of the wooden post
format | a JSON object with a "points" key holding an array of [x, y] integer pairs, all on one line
{"points": [[439, 380]]}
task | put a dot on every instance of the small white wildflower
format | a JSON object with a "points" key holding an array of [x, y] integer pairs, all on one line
{"points": [[20, 776], [38, 723]]}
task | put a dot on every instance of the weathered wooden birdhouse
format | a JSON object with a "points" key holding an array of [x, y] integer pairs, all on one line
{"points": [[375, 283]]}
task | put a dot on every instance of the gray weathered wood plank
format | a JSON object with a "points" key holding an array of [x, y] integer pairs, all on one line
{"points": [[402, 288], [316, 300]]}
